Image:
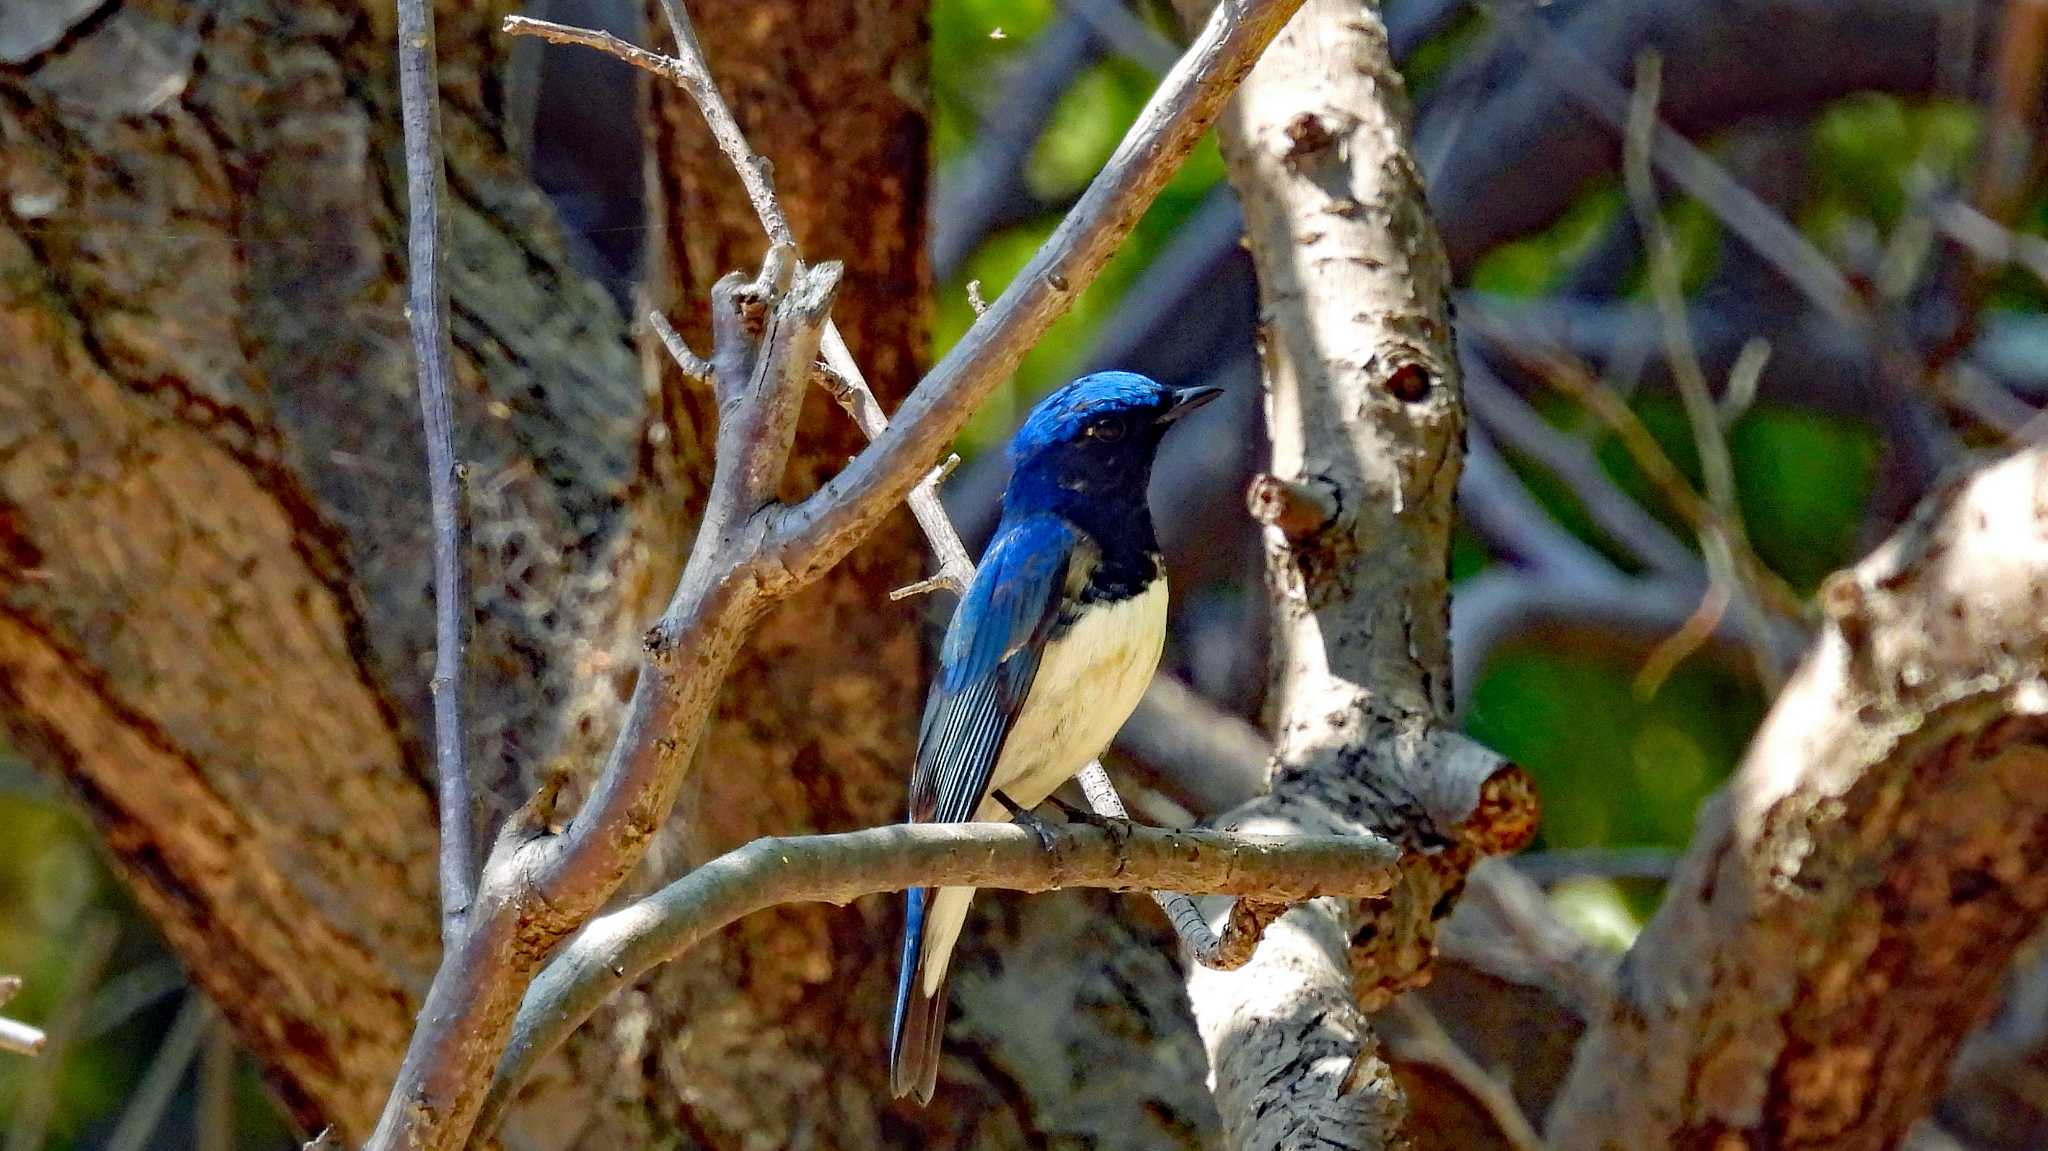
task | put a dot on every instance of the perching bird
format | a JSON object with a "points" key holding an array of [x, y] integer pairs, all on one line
{"points": [[1046, 656]]}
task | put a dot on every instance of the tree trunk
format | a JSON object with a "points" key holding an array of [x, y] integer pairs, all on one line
{"points": [[213, 607], [1851, 901]]}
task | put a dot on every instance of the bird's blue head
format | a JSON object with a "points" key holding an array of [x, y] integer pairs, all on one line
{"points": [[1094, 439]]}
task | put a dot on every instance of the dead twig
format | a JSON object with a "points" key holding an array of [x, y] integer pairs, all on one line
{"points": [[1423, 1040], [180, 1046], [1524, 430], [1722, 535], [214, 1121], [1765, 231], [751, 552], [17, 1037], [1575, 380], [433, 360]]}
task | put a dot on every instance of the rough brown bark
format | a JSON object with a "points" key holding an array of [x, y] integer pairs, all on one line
{"points": [[212, 608], [1851, 901], [816, 719], [213, 572]]}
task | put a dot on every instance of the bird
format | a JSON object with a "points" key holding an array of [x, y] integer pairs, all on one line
{"points": [[1048, 652]]}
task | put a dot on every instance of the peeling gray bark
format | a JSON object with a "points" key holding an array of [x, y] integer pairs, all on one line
{"points": [[1366, 420]]}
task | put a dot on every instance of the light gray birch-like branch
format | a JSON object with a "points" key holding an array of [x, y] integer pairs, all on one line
{"points": [[1366, 421], [752, 551], [15, 1036], [617, 949]]}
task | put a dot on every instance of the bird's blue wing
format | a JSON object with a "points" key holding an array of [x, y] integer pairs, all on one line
{"points": [[987, 664]]}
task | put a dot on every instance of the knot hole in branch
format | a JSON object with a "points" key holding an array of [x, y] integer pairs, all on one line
{"points": [[1405, 372]]}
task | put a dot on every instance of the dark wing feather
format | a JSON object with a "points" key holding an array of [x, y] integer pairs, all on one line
{"points": [[987, 664]]}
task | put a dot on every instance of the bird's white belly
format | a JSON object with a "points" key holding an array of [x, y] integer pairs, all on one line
{"points": [[1089, 681]]}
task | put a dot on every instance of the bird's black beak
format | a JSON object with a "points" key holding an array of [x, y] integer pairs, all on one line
{"points": [[1186, 400]]}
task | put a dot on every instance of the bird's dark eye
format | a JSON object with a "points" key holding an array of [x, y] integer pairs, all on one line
{"points": [[1108, 429]]}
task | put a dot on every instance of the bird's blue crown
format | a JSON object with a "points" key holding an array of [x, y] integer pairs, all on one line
{"points": [[1065, 415], [1086, 450]]}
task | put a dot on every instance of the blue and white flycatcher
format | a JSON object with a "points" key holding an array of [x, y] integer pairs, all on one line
{"points": [[1047, 654]]}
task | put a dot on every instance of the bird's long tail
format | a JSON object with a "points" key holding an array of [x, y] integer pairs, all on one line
{"points": [[931, 926], [920, 1015]]}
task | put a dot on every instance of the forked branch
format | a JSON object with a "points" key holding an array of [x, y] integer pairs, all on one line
{"points": [[750, 553]]}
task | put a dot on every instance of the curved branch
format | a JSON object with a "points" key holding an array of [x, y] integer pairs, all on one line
{"points": [[1848, 907], [615, 950], [1515, 165]]}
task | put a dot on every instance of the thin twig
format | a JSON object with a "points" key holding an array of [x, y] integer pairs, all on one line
{"points": [[36, 1100], [751, 552], [146, 1105], [15, 1036], [985, 190], [1524, 430], [1764, 230], [693, 74], [1723, 535], [213, 1121], [1424, 1040], [615, 950], [1125, 32], [1248, 919], [694, 367], [1561, 863], [1575, 380], [433, 359], [122, 997], [850, 388]]}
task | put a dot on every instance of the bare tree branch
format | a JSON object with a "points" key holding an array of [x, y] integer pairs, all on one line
{"points": [[1723, 536], [985, 189], [1206, 759], [1845, 912], [1530, 149], [1523, 429], [19, 1038], [213, 1119], [751, 552], [614, 951], [37, 1098], [1768, 234], [1366, 422], [822, 529], [1422, 1039], [433, 358], [1573, 379], [145, 1110]]}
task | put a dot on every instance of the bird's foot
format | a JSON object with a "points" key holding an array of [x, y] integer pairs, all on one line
{"points": [[1026, 819], [1118, 827]]}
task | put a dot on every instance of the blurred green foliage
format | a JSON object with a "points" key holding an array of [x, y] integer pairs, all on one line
{"points": [[59, 910]]}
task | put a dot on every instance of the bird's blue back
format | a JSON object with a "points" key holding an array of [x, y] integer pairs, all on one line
{"points": [[1076, 536]]}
